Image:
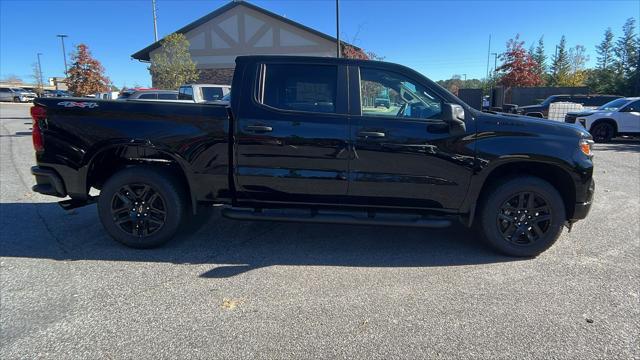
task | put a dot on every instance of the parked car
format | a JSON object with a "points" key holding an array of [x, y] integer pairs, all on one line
{"points": [[615, 118], [151, 95], [16, 94], [201, 93], [56, 93], [292, 146], [542, 109], [124, 94], [109, 95]]}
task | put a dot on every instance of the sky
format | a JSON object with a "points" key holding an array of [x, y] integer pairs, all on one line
{"points": [[437, 38]]}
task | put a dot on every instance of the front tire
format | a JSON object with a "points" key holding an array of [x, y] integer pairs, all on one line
{"points": [[16, 99], [142, 207], [602, 132], [522, 217]]}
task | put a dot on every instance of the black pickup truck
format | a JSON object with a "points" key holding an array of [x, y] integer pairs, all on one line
{"points": [[297, 143]]}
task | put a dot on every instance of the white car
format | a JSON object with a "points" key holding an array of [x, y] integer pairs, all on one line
{"points": [[615, 118], [16, 94]]}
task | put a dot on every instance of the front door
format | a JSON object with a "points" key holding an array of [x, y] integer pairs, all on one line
{"points": [[629, 118], [291, 143], [403, 153]]}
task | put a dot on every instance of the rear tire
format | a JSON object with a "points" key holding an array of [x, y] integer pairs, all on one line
{"points": [[602, 132], [142, 207], [16, 99], [522, 217]]}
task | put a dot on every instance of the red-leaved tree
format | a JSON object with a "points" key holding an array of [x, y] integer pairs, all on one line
{"points": [[518, 67], [86, 74]]}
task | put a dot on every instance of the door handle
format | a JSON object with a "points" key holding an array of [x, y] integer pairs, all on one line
{"points": [[259, 128], [372, 134]]}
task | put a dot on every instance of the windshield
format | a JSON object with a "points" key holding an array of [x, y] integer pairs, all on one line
{"points": [[613, 105], [18, 89]]}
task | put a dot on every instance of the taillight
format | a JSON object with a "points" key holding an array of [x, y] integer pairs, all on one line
{"points": [[38, 114]]}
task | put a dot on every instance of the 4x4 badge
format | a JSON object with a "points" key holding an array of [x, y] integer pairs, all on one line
{"points": [[80, 104]]}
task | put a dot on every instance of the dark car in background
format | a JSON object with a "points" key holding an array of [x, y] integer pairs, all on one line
{"points": [[152, 95], [542, 110]]}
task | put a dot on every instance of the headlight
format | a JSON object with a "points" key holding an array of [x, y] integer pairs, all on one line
{"points": [[585, 147]]}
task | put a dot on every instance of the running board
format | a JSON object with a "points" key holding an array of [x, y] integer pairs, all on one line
{"points": [[335, 217], [76, 203]]}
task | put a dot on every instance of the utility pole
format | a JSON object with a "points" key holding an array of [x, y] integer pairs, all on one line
{"points": [[40, 82], [64, 52], [465, 77], [495, 62], [337, 29], [488, 55], [155, 21]]}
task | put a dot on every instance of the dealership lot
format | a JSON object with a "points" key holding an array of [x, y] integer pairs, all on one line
{"points": [[247, 289]]}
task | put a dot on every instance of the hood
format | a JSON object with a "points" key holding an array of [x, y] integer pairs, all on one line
{"points": [[585, 112], [534, 125]]}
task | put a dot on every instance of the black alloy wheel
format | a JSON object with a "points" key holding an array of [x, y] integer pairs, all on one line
{"points": [[524, 218], [602, 132], [138, 209], [142, 206]]}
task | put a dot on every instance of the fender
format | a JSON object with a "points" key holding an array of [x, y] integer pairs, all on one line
{"points": [[141, 144], [478, 180]]}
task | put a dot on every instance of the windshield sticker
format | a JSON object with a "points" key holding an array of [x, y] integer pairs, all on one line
{"points": [[80, 104]]}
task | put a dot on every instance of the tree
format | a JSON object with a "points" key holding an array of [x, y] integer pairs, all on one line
{"points": [[603, 78], [577, 61], [540, 58], [37, 77], [605, 51], [14, 79], [560, 65], [86, 74], [172, 66], [518, 67], [627, 50]]}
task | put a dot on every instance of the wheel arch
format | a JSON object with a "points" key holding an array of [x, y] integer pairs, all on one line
{"points": [[559, 178], [115, 157], [605, 120]]}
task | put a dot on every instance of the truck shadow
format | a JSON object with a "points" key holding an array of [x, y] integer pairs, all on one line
{"points": [[619, 145], [45, 231]]}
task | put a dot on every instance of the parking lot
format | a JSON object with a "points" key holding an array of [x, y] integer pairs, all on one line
{"points": [[278, 290]]}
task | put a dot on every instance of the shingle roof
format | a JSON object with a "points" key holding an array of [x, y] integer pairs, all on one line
{"points": [[144, 54]]}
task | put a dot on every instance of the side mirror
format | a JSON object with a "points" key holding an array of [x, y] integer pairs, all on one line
{"points": [[453, 114]]}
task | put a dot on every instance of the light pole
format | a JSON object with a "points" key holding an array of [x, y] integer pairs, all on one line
{"points": [[40, 83], [155, 21], [64, 52], [337, 29]]}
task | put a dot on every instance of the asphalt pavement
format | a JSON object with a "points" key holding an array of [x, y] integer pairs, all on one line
{"points": [[234, 290]]}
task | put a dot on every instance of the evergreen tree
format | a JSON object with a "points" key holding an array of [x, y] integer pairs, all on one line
{"points": [[560, 66], [605, 51], [540, 58], [627, 51]]}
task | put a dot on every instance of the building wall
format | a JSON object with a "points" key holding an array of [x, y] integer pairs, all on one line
{"points": [[244, 31], [216, 76]]}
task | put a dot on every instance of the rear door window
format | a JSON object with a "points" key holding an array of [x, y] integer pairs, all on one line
{"points": [[148, 96], [306, 87]]}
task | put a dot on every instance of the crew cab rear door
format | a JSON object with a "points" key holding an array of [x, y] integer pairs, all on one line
{"points": [[291, 132], [404, 155]]}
